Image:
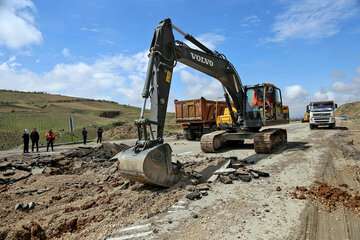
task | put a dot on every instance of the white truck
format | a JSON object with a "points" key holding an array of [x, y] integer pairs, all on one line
{"points": [[322, 114]]}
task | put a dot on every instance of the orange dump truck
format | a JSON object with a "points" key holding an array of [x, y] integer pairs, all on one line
{"points": [[198, 116]]}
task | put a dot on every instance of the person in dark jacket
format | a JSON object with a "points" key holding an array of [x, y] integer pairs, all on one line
{"points": [[99, 135], [50, 138], [84, 134], [26, 138], [34, 136]]}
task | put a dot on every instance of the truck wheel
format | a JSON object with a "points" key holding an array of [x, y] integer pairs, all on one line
{"points": [[312, 126], [332, 126], [189, 135]]}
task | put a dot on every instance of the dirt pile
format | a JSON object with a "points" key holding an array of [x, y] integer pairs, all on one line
{"points": [[329, 196], [121, 132]]}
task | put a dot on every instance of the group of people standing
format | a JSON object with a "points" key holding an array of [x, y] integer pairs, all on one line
{"points": [[34, 136], [99, 133]]}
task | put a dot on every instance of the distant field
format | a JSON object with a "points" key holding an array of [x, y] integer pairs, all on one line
{"points": [[20, 110]]}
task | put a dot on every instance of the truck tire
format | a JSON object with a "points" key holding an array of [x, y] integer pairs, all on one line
{"points": [[332, 126], [189, 135], [312, 126]]}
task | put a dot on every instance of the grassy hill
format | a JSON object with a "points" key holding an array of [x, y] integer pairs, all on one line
{"points": [[20, 110], [350, 109]]}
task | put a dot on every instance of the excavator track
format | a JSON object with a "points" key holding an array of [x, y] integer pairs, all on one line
{"points": [[269, 140], [211, 142]]}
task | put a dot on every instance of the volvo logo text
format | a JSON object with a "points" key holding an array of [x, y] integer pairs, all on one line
{"points": [[201, 59]]}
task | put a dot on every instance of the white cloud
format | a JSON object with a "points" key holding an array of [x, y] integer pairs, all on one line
{"points": [[118, 77], [295, 92], [312, 19], [66, 52], [249, 21], [197, 86], [210, 40], [296, 97], [17, 24]]}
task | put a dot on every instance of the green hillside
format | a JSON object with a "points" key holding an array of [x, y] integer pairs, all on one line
{"points": [[20, 110]]}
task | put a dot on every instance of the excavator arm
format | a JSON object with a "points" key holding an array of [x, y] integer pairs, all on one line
{"points": [[165, 52]]}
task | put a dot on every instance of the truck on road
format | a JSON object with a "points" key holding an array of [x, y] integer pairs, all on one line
{"points": [[322, 113], [198, 116]]}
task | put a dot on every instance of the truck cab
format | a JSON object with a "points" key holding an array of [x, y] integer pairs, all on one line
{"points": [[322, 113]]}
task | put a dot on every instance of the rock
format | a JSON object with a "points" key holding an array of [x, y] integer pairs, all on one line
{"points": [[233, 176], [194, 215], [225, 179], [125, 185], [196, 175], [8, 173], [193, 195], [254, 174], [170, 221], [18, 206], [278, 188], [190, 188], [204, 193], [37, 232], [155, 230], [194, 181], [225, 171], [203, 187], [260, 173], [31, 205], [245, 177], [267, 210]]}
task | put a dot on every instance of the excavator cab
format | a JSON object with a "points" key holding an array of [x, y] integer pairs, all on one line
{"points": [[264, 106]]}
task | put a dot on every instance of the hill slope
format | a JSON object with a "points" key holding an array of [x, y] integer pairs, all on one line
{"points": [[350, 109], [20, 110]]}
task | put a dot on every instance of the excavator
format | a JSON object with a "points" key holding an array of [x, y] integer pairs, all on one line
{"points": [[149, 160]]}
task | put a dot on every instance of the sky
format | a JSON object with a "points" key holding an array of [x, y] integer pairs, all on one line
{"points": [[98, 49]]}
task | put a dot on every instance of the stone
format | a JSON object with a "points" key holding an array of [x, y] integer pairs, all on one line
{"points": [[194, 195], [31, 205], [190, 188], [204, 193], [245, 177], [196, 175], [194, 215], [225, 179], [194, 181], [278, 188]]}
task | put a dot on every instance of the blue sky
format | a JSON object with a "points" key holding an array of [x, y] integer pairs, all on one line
{"points": [[98, 48]]}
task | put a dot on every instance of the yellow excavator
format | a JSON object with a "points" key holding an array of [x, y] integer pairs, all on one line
{"points": [[250, 108]]}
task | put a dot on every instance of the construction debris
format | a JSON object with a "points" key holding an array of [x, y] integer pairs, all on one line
{"points": [[329, 196]]}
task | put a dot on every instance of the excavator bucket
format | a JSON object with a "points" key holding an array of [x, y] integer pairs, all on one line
{"points": [[152, 166]]}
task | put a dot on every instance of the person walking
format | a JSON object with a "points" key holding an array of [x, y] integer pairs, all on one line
{"points": [[84, 134], [99, 135], [26, 139], [34, 136], [50, 138]]}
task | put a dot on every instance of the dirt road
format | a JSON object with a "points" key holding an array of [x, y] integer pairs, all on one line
{"points": [[79, 195], [265, 208]]}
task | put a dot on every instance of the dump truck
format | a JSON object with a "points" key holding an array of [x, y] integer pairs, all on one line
{"points": [[198, 116], [306, 114], [322, 113]]}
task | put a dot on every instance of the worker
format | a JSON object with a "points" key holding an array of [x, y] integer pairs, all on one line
{"points": [[99, 135], [84, 134], [26, 138], [50, 138], [34, 136]]}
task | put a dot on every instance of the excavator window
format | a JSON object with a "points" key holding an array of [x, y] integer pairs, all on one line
{"points": [[255, 99]]}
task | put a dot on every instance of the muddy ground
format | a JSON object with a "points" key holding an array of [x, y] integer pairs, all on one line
{"points": [[73, 194]]}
